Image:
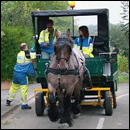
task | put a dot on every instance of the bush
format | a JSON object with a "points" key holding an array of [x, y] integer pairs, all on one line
{"points": [[10, 42], [123, 64], [123, 78]]}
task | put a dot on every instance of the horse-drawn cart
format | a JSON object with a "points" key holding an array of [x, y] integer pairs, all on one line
{"points": [[102, 69]]}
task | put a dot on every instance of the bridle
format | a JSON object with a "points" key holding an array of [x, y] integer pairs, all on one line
{"points": [[62, 57], [62, 51], [58, 71]]}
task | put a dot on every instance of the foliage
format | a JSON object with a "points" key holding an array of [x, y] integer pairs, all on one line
{"points": [[2, 34], [64, 23], [16, 27], [123, 78], [125, 18], [10, 47], [123, 64], [15, 13], [118, 38]]}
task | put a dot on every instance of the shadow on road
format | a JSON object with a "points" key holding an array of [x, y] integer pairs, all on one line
{"points": [[92, 110]]}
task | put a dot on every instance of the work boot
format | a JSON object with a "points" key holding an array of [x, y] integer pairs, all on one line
{"points": [[8, 102], [25, 106]]}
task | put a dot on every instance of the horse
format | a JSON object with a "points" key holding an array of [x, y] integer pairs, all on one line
{"points": [[64, 78]]}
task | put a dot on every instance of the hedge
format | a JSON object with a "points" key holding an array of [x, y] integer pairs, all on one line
{"points": [[10, 42]]}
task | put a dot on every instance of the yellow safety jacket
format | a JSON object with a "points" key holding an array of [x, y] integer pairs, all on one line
{"points": [[24, 65], [44, 38], [21, 58], [87, 46]]}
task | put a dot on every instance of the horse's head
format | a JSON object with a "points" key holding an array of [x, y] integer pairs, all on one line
{"points": [[63, 48]]}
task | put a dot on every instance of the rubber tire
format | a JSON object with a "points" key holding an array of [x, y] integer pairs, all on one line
{"points": [[114, 101], [39, 104], [108, 104]]}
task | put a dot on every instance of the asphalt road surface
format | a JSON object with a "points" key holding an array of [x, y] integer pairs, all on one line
{"points": [[90, 118]]}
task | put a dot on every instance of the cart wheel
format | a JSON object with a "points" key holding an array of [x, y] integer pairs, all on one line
{"points": [[114, 101], [39, 104], [108, 104]]}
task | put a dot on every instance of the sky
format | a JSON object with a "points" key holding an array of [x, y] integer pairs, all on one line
{"points": [[113, 6]]}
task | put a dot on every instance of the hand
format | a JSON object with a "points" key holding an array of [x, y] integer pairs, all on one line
{"points": [[90, 49], [45, 45]]}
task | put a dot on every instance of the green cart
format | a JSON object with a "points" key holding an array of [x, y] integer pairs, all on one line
{"points": [[102, 69]]}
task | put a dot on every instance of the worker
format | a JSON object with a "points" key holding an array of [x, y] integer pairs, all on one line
{"points": [[46, 40], [22, 70], [84, 42]]}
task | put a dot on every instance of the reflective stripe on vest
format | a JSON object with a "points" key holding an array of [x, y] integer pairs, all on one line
{"points": [[86, 50], [21, 58], [44, 36]]}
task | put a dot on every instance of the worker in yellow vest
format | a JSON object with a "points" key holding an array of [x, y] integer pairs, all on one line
{"points": [[22, 69], [84, 42], [46, 40]]}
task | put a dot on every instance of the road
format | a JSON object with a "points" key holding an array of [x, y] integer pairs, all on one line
{"points": [[91, 117]]}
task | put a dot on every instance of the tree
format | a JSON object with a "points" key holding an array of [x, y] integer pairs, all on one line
{"points": [[16, 27], [117, 38], [125, 25], [125, 17], [15, 13]]}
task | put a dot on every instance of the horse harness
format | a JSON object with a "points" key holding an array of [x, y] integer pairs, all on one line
{"points": [[60, 72]]}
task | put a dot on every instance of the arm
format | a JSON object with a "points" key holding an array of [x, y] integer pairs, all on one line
{"points": [[32, 52], [32, 48], [30, 55], [76, 42], [43, 41], [90, 44]]}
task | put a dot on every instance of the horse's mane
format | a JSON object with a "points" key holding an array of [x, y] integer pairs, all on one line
{"points": [[63, 39]]}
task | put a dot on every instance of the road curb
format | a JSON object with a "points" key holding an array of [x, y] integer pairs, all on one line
{"points": [[5, 114]]}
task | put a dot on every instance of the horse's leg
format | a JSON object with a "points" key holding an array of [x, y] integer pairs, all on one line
{"points": [[53, 110], [66, 117], [76, 108], [60, 99]]}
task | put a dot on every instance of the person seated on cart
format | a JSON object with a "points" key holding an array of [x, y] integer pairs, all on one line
{"points": [[46, 40], [84, 42]]}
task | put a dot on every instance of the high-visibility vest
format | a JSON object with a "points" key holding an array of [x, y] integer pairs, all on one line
{"points": [[87, 49], [21, 58], [44, 36], [24, 65]]}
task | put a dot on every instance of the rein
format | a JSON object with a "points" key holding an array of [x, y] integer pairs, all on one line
{"points": [[62, 72]]}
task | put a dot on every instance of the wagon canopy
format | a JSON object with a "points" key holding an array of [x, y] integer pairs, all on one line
{"points": [[55, 13], [101, 44]]}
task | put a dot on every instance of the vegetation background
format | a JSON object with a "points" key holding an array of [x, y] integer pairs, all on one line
{"points": [[16, 27]]}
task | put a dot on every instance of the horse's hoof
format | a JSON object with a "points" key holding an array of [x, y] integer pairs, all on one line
{"points": [[63, 126], [53, 115], [53, 119], [76, 109], [76, 115], [68, 121]]}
